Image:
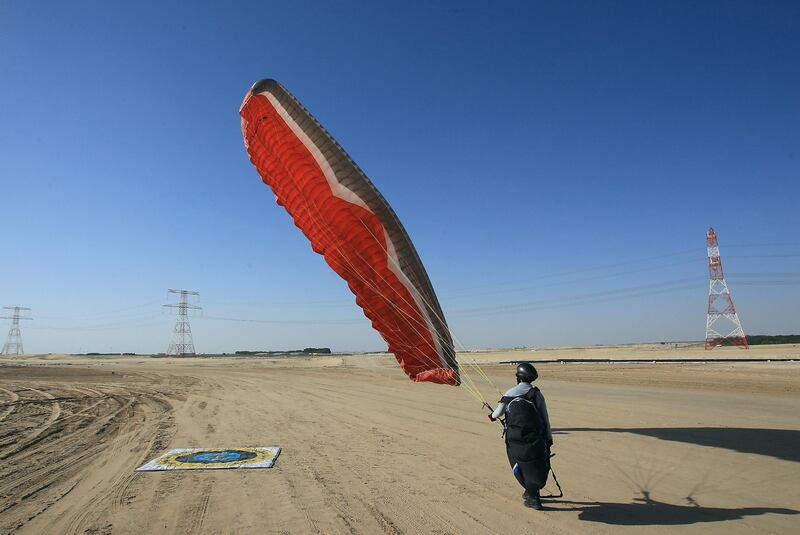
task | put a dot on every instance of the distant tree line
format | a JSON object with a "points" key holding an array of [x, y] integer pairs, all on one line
{"points": [[95, 354], [760, 339], [306, 351]]}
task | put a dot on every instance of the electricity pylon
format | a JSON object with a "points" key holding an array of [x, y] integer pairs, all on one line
{"points": [[182, 343], [722, 321], [13, 345]]}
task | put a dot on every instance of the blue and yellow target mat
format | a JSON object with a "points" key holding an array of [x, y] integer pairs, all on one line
{"points": [[213, 459]]}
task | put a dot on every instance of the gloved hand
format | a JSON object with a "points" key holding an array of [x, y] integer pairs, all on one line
{"points": [[490, 418]]}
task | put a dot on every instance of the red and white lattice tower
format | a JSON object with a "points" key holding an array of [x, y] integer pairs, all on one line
{"points": [[722, 323]]}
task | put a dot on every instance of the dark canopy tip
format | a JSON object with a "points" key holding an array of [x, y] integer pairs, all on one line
{"points": [[263, 85]]}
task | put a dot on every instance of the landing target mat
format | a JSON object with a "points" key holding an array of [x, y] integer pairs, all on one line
{"points": [[213, 459]]}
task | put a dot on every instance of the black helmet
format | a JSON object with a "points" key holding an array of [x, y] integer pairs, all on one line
{"points": [[526, 373]]}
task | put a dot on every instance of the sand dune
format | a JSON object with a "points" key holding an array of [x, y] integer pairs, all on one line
{"points": [[709, 447]]}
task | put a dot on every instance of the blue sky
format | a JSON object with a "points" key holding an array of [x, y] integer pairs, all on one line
{"points": [[557, 166]]}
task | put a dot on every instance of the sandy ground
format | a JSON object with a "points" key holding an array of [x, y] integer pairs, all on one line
{"points": [[639, 351], [697, 447]]}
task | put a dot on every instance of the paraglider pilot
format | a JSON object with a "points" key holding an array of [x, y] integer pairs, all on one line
{"points": [[527, 433]]}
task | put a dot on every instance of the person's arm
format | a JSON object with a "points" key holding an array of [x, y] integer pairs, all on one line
{"points": [[510, 394], [498, 412]]}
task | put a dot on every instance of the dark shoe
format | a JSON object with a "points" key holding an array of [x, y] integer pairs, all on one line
{"points": [[533, 502]]}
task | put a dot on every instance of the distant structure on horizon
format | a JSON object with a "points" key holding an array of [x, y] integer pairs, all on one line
{"points": [[13, 345], [182, 344], [722, 316]]}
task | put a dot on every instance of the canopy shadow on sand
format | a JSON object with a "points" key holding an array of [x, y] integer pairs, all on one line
{"points": [[649, 512], [777, 443]]}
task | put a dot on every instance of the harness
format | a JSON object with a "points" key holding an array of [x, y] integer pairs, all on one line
{"points": [[530, 398]]}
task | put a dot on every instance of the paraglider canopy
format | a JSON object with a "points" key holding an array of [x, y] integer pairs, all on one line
{"points": [[351, 225]]}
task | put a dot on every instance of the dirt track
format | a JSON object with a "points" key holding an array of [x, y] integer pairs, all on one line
{"points": [[702, 448]]}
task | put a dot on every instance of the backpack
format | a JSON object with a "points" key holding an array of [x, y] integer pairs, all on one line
{"points": [[526, 441], [523, 421]]}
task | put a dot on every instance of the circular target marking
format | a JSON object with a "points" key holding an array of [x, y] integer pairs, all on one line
{"points": [[221, 458]]}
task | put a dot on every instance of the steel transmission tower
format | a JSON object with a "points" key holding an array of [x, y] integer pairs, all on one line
{"points": [[13, 345], [722, 322], [182, 343]]}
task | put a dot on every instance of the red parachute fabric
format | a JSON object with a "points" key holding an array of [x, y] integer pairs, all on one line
{"points": [[349, 222]]}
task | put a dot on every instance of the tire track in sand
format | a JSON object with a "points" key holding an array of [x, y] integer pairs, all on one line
{"points": [[77, 462], [14, 397], [55, 412]]}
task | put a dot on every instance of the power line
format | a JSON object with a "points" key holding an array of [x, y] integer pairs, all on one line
{"points": [[615, 294], [122, 312], [749, 279], [279, 322], [601, 267], [566, 282]]}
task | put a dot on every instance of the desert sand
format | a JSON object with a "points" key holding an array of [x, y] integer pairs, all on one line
{"points": [[700, 448]]}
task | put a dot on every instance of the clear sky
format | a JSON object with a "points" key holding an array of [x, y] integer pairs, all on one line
{"points": [[556, 164]]}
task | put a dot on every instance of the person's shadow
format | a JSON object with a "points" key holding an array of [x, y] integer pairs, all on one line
{"points": [[646, 511]]}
